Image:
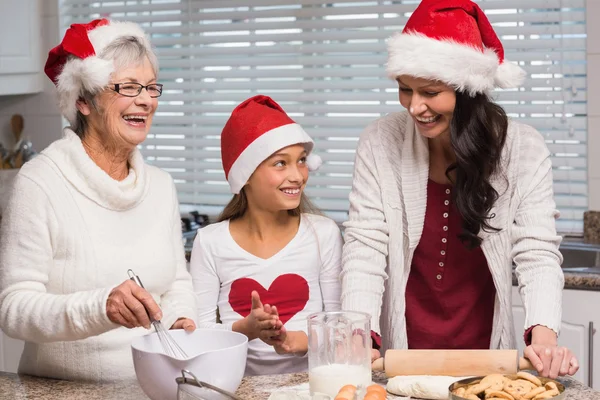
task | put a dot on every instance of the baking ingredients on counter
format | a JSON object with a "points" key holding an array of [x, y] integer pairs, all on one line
{"points": [[520, 386], [329, 379], [351, 392], [339, 351], [346, 393], [375, 392], [431, 387]]}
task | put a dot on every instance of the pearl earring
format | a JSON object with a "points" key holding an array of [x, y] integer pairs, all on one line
{"points": [[412, 110]]}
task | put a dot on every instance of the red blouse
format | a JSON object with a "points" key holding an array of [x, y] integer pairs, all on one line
{"points": [[450, 292]]}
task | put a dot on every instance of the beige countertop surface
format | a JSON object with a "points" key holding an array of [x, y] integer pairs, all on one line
{"points": [[21, 387]]}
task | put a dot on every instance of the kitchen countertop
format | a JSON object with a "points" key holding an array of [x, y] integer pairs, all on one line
{"points": [[21, 387]]}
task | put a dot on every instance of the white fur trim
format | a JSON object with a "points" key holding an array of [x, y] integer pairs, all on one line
{"points": [[103, 35], [313, 162], [509, 75], [461, 66], [261, 149], [92, 73]]}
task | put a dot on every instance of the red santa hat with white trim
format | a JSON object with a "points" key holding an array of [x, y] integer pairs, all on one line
{"points": [[75, 65], [452, 41], [256, 129]]}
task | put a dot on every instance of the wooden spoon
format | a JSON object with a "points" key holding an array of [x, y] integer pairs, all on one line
{"points": [[16, 123]]}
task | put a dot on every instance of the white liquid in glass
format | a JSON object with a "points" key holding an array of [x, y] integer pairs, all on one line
{"points": [[329, 379]]}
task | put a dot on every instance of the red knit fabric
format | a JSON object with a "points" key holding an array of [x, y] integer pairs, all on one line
{"points": [[75, 43], [247, 122], [450, 292], [461, 21]]}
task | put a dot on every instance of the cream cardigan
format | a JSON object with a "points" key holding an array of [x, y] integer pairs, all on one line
{"points": [[387, 210]]}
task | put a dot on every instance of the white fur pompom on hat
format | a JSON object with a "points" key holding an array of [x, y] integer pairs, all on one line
{"points": [[313, 162], [452, 41], [74, 65]]}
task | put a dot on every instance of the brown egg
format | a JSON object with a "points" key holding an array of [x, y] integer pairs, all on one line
{"points": [[350, 388], [374, 395], [377, 389]]}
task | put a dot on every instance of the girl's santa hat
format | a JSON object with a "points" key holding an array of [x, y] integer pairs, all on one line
{"points": [[256, 129], [452, 41], [74, 65]]}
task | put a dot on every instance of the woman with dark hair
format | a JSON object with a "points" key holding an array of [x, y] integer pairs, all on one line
{"points": [[448, 196]]}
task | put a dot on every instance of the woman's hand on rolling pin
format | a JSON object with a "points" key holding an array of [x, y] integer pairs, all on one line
{"points": [[131, 306], [184, 323], [375, 354], [549, 359]]}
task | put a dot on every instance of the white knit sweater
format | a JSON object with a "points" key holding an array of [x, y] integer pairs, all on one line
{"points": [[69, 235], [387, 211]]}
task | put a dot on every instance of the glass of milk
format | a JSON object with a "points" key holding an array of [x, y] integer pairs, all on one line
{"points": [[339, 351]]}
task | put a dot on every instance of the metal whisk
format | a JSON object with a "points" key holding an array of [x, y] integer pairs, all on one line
{"points": [[169, 344]]}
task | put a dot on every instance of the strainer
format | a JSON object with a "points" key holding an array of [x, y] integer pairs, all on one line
{"points": [[191, 388]]}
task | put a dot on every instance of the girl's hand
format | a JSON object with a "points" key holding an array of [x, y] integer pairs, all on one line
{"points": [[549, 359], [184, 323], [284, 342], [258, 321]]}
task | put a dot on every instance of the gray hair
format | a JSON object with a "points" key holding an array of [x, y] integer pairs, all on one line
{"points": [[124, 52]]}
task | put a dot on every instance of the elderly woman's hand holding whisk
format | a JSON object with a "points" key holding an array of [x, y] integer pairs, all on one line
{"points": [[132, 306]]}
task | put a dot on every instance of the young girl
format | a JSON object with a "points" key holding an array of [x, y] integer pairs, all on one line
{"points": [[269, 245]]}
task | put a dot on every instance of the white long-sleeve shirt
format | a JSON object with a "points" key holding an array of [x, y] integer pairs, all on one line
{"points": [[69, 235], [387, 212], [302, 278]]}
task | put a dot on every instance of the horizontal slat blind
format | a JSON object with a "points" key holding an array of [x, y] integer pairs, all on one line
{"points": [[324, 63]]}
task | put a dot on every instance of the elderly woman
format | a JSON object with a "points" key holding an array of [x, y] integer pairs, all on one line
{"points": [[87, 210]]}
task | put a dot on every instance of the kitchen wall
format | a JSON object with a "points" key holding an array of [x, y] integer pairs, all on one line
{"points": [[43, 122]]}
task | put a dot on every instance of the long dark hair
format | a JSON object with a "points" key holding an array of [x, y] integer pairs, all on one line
{"points": [[477, 133], [238, 205]]}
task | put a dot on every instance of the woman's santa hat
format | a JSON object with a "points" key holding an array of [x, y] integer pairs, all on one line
{"points": [[452, 41], [74, 65], [256, 129]]}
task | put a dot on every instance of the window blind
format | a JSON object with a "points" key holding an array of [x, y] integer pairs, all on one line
{"points": [[324, 63]]}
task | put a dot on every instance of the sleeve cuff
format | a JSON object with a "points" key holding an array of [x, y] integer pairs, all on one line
{"points": [[527, 335], [376, 339]]}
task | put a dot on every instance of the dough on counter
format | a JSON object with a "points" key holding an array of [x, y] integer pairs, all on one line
{"points": [[422, 386]]}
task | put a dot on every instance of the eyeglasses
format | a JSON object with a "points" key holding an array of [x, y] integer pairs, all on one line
{"points": [[133, 89]]}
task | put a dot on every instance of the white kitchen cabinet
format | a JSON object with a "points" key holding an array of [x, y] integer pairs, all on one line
{"points": [[10, 353], [21, 69], [580, 317]]}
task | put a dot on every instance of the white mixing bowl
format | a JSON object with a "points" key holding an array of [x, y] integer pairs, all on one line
{"points": [[217, 357]]}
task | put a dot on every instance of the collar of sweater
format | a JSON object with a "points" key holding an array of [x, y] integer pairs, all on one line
{"points": [[90, 180]]}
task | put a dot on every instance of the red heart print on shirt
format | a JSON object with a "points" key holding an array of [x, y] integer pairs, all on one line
{"points": [[289, 293]]}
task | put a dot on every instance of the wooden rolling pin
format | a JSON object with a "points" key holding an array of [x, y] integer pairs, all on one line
{"points": [[451, 362]]}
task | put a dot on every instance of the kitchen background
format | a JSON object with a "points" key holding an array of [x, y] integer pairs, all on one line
{"points": [[334, 84]]}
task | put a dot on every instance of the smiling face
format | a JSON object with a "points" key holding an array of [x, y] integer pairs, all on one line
{"points": [[121, 121], [278, 182], [430, 104]]}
